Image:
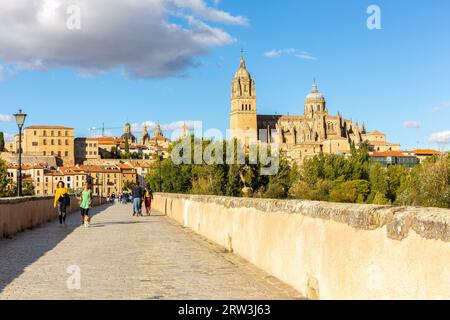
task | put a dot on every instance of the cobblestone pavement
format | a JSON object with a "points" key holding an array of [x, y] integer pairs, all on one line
{"points": [[121, 257]]}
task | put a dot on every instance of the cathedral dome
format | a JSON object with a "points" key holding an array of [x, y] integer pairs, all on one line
{"points": [[315, 96], [242, 71]]}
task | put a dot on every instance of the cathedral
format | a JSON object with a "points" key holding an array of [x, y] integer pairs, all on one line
{"points": [[299, 136]]}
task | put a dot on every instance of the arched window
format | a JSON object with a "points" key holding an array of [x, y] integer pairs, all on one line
{"points": [[250, 107], [318, 108], [242, 107]]}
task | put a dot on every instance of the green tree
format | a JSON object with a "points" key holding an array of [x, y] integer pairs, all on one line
{"points": [[358, 163], [127, 146], [302, 190], [379, 185], [28, 189], [4, 180], [175, 178], [427, 185], [128, 185], [395, 175], [279, 185], [353, 191], [2, 142]]}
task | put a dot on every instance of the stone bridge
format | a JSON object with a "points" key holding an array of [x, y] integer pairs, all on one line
{"points": [[206, 247], [120, 257]]}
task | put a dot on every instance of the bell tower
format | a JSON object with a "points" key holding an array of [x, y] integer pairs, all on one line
{"points": [[315, 103], [243, 101]]}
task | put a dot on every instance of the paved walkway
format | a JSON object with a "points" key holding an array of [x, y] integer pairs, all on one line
{"points": [[120, 257]]}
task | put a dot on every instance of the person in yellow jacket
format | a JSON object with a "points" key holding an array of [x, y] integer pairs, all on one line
{"points": [[61, 202]]}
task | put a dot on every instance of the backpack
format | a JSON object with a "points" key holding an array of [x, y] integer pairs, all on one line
{"points": [[67, 199]]}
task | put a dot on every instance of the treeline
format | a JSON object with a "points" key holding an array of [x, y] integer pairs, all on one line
{"points": [[8, 188], [326, 177]]}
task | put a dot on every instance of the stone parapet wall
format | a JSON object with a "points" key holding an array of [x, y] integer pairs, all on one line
{"points": [[19, 214], [328, 250]]}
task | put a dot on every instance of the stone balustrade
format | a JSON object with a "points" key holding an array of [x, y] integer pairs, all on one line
{"points": [[19, 214], [328, 250]]}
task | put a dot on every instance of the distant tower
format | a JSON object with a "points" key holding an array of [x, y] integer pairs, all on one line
{"points": [[243, 100], [127, 134], [158, 132], [315, 103], [145, 138], [185, 130]]}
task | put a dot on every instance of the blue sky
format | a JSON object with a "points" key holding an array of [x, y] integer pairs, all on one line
{"points": [[392, 79]]}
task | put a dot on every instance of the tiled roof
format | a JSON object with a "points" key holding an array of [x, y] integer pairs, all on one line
{"points": [[48, 127], [426, 152], [399, 154], [27, 166]]}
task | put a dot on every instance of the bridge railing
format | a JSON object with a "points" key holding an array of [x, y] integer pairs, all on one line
{"points": [[19, 214], [328, 250]]}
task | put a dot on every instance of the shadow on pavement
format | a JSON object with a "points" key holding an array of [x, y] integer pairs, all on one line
{"points": [[27, 247], [104, 224]]}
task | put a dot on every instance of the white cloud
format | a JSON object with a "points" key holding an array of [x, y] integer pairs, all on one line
{"points": [[151, 126], [6, 118], [99, 134], [145, 38], [273, 53], [442, 106], [412, 124], [305, 56], [442, 137], [292, 52], [8, 137]]}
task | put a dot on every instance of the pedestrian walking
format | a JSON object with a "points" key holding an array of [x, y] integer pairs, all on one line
{"points": [[85, 204], [62, 201], [137, 194], [148, 197]]}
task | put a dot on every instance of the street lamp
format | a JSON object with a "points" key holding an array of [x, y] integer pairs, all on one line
{"points": [[160, 157], [20, 120]]}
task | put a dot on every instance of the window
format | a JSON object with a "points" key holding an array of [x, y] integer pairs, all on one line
{"points": [[67, 133], [67, 142], [66, 153], [34, 144], [59, 133], [45, 142], [318, 108], [45, 133], [45, 153], [53, 142], [52, 133], [35, 132], [59, 153], [68, 178], [53, 153], [59, 142]]}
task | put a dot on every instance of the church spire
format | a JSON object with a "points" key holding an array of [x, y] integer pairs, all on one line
{"points": [[314, 86], [242, 63]]}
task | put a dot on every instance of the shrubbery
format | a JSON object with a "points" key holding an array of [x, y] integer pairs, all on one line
{"points": [[326, 177]]}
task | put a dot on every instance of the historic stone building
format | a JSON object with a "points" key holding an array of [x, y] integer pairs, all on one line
{"points": [[46, 141], [299, 136]]}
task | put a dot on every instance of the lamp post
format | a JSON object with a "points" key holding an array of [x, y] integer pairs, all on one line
{"points": [[160, 157], [20, 120]]}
